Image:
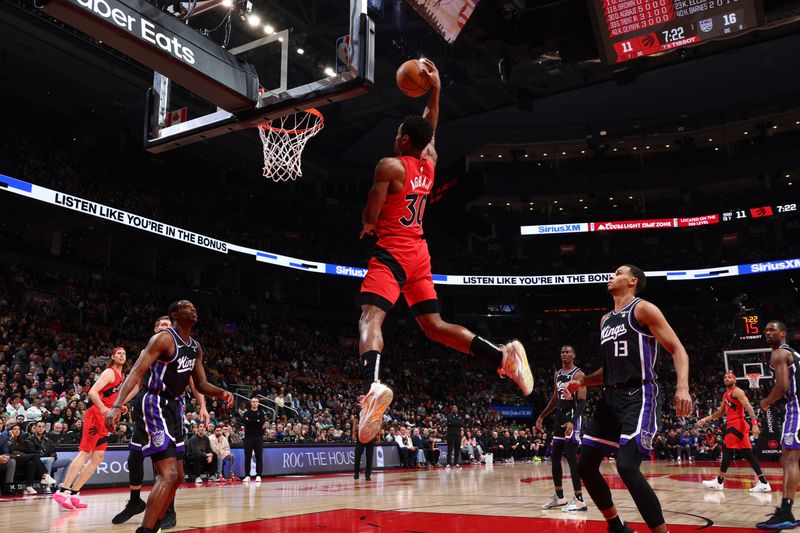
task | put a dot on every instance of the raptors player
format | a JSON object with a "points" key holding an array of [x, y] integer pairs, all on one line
{"points": [[94, 441], [737, 433], [401, 263]]}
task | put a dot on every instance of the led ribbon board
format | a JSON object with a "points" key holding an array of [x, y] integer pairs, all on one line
{"points": [[75, 203]]}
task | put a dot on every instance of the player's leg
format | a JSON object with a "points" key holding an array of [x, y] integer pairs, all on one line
{"points": [[170, 474], [557, 500], [750, 457], [61, 496], [87, 472], [135, 503], [629, 460], [784, 517], [370, 449], [571, 453], [717, 482], [601, 439], [360, 446]]}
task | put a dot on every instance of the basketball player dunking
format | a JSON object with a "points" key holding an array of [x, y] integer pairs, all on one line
{"points": [[626, 418], [135, 504], [401, 263], [785, 364], [737, 433], [94, 441], [166, 363], [566, 431]]}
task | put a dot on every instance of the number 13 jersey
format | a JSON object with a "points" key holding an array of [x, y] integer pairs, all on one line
{"points": [[628, 348], [402, 213]]}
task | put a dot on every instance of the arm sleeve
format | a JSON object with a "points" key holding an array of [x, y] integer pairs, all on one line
{"points": [[579, 408]]}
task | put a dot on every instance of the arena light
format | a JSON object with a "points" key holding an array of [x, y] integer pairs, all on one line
{"points": [[269, 30], [301, 51], [253, 19], [227, 3], [329, 72]]}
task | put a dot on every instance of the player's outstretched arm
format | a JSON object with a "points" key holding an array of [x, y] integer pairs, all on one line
{"points": [[431, 113], [719, 413], [202, 384], [778, 361], [387, 170], [159, 344], [549, 407], [651, 316]]}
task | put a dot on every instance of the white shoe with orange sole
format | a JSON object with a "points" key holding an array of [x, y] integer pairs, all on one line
{"points": [[373, 405], [515, 366]]}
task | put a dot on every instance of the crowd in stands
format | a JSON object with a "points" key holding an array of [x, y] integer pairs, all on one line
{"points": [[305, 373]]}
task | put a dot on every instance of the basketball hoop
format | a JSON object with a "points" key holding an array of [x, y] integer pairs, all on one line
{"points": [[753, 379], [284, 140]]}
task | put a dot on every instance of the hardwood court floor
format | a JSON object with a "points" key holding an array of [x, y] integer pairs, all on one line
{"points": [[501, 498]]}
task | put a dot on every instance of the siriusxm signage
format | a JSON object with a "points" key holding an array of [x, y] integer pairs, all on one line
{"points": [[769, 266], [554, 228], [513, 411]]}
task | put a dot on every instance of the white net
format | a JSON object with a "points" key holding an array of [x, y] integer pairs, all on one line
{"points": [[754, 380], [284, 140]]}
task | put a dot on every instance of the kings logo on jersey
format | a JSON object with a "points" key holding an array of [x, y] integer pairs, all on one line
{"points": [[609, 334], [185, 364]]}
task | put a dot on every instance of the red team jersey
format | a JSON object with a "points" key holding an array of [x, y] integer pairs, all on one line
{"points": [[400, 261], [401, 215], [95, 434], [737, 432]]}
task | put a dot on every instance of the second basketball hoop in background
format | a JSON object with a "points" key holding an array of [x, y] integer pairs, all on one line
{"points": [[410, 79], [284, 140]]}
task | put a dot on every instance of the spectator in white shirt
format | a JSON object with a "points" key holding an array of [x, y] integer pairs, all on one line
{"points": [[35, 412], [221, 447]]}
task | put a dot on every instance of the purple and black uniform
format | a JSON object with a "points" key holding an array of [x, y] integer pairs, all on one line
{"points": [[630, 407], [158, 408], [791, 424], [565, 409]]}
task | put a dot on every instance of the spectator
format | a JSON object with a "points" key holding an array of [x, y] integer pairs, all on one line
{"points": [[454, 424], [222, 448], [8, 466], [41, 445], [25, 459], [200, 457]]}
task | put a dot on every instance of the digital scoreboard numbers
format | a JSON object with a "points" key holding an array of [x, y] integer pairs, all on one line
{"points": [[749, 330], [627, 29]]}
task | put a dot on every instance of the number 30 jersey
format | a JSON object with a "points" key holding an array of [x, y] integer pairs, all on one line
{"points": [[402, 213], [628, 348]]}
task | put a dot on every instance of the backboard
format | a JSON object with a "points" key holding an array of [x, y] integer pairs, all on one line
{"points": [[304, 54]]}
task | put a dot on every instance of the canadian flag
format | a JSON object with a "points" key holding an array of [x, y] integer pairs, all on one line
{"points": [[175, 117]]}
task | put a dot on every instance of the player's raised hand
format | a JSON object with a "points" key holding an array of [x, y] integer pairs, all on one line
{"points": [[683, 403], [431, 73]]}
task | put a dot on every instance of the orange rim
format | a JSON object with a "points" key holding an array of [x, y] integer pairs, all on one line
{"points": [[311, 111]]}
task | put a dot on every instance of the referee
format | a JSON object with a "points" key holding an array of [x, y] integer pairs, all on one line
{"points": [[254, 421]]}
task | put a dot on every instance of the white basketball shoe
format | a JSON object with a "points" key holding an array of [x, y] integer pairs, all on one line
{"points": [[515, 366], [373, 405]]}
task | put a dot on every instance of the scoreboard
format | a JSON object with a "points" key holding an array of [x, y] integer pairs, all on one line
{"points": [[749, 329], [627, 29]]}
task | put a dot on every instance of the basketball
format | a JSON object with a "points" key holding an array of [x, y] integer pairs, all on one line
{"points": [[410, 80]]}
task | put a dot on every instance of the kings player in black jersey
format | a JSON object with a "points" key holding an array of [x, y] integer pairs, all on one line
{"points": [[627, 416], [567, 424], [785, 364], [169, 359]]}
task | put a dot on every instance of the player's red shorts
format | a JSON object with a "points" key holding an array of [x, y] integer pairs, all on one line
{"points": [[737, 436], [95, 434], [400, 266]]}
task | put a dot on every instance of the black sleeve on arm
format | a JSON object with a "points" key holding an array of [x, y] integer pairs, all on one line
{"points": [[579, 408]]}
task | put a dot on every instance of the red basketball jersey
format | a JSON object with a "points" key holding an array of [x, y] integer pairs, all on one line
{"points": [[110, 392], [734, 410], [402, 213]]}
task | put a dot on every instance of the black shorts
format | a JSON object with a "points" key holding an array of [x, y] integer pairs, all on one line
{"points": [[561, 417], [157, 425], [625, 414]]}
